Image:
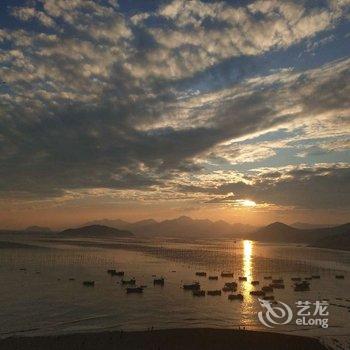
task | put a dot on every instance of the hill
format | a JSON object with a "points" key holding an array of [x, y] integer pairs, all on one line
{"points": [[338, 241], [96, 231], [37, 229], [279, 232]]}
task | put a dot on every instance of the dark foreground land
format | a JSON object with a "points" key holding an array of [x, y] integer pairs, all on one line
{"points": [[201, 339]]}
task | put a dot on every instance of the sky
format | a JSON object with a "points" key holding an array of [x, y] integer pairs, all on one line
{"points": [[233, 110]]}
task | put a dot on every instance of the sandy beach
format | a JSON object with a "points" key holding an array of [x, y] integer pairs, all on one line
{"points": [[165, 339]]}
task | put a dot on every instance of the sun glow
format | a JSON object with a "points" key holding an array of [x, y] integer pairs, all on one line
{"points": [[247, 203]]}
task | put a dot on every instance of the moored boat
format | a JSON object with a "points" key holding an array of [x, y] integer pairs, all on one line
{"points": [[258, 293], [226, 274], [198, 293], [192, 286], [89, 283], [158, 281], [235, 297], [214, 292], [131, 281]]}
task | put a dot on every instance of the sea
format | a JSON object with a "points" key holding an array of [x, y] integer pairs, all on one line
{"points": [[42, 290]]}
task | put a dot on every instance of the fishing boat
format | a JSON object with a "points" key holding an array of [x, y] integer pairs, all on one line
{"points": [[231, 284], [201, 274], [258, 293], [213, 278], [198, 293], [255, 283], [226, 274], [192, 286], [277, 285], [89, 283], [241, 278], [339, 277], [302, 286], [158, 281], [132, 281], [235, 297], [214, 292]]}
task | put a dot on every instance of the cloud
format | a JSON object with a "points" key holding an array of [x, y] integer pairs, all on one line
{"points": [[30, 14], [323, 186], [98, 100], [200, 34]]}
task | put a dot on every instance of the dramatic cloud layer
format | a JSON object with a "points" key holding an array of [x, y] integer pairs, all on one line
{"points": [[100, 100]]}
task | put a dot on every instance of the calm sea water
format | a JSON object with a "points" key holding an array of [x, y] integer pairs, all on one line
{"points": [[42, 299]]}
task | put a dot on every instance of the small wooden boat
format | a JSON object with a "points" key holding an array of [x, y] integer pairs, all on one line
{"points": [[134, 290], [213, 278], [132, 281], [71, 279], [111, 271], [226, 274], [158, 281], [277, 285], [267, 277], [296, 279], [214, 292], [192, 286], [235, 297], [198, 293], [201, 274], [258, 293], [255, 283], [229, 289], [339, 277], [241, 278], [89, 283]]}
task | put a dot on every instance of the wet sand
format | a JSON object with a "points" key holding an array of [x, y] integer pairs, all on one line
{"points": [[179, 339]]}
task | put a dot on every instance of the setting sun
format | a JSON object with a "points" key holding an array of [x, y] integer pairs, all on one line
{"points": [[247, 203]]}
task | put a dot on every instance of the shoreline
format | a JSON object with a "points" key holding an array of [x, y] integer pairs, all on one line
{"points": [[168, 339]]}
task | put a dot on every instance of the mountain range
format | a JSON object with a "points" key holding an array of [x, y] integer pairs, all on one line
{"points": [[182, 227]]}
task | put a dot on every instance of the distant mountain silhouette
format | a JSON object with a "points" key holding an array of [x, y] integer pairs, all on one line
{"points": [[340, 240], [182, 226], [37, 229], [307, 226], [96, 230], [279, 232]]}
